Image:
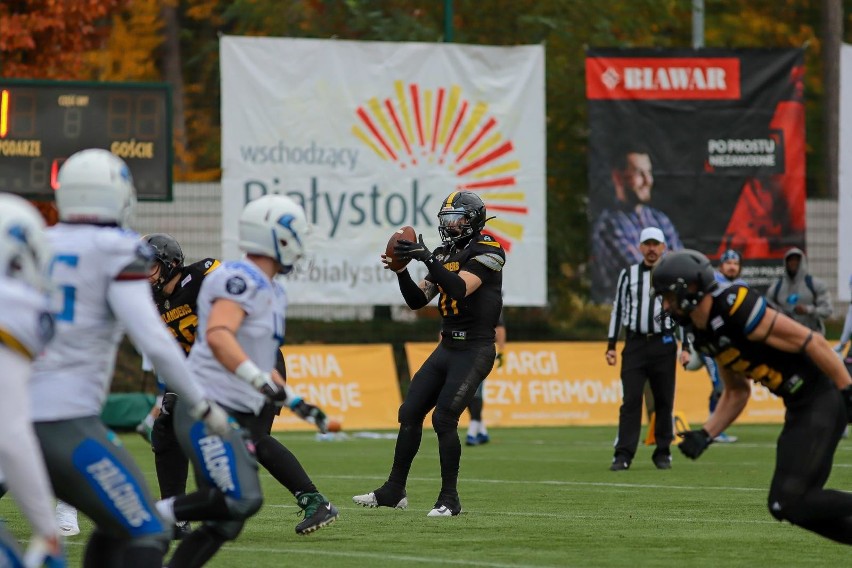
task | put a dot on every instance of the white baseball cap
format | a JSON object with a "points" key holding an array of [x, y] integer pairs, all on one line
{"points": [[652, 234]]}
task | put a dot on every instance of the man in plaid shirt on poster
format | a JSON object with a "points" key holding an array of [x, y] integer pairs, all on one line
{"points": [[615, 235]]}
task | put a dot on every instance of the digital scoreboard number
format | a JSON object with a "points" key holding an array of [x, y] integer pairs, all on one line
{"points": [[42, 123]]}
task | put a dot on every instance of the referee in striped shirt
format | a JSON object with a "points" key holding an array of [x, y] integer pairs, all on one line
{"points": [[650, 354]]}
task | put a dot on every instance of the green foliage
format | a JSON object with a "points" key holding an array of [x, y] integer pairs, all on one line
{"points": [[532, 497]]}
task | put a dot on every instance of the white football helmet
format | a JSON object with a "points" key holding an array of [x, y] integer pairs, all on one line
{"points": [[274, 226], [24, 250], [95, 186]]}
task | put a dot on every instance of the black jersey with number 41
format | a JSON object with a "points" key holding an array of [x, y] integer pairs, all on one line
{"points": [[736, 311], [474, 317], [179, 310]]}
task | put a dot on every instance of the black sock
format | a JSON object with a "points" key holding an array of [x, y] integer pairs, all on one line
{"points": [[475, 408], [407, 445], [283, 465], [449, 449]]}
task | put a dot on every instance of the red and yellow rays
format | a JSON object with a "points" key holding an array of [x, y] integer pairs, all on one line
{"points": [[442, 128]]}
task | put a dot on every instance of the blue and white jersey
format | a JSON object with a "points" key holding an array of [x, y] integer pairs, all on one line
{"points": [[26, 324], [260, 334], [71, 377]]}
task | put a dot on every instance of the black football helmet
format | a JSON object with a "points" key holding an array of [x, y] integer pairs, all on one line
{"points": [[462, 215], [685, 276], [169, 255]]}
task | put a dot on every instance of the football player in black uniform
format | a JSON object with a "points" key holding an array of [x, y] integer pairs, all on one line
{"points": [[749, 339], [176, 289], [465, 272]]}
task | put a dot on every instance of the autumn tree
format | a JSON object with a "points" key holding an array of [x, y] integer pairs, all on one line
{"points": [[50, 39]]}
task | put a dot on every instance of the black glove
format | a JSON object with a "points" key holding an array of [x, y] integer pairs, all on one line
{"points": [[310, 413], [499, 359], [415, 251], [273, 392], [847, 398], [168, 404], [694, 442]]}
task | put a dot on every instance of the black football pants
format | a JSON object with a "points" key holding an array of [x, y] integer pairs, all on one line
{"points": [[646, 359], [447, 382], [812, 429]]}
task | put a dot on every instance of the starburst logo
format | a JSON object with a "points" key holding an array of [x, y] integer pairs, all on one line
{"points": [[422, 128]]}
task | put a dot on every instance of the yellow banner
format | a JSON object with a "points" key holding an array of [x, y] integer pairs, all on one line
{"points": [[569, 383], [354, 384]]}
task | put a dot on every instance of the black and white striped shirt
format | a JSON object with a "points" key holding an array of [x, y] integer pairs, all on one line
{"points": [[633, 306]]}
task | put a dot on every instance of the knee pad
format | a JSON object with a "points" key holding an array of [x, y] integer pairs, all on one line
{"points": [[406, 416], [444, 421]]}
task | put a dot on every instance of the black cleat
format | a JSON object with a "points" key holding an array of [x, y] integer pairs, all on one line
{"points": [[662, 461], [619, 463], [318, 512], [447, 505], [384, 496]]}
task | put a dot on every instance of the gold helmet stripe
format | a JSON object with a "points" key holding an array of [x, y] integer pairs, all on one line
{"points": [[449, 202]]}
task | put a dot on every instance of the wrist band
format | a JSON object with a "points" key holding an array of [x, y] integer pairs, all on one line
{"points": [[250, 373]]}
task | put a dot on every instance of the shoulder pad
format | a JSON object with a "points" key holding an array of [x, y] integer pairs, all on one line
{"points": [[488, 240], [210, 264], [491, 260]]}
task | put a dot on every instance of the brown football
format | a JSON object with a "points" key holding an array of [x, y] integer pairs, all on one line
{"points": [[407, 233]]}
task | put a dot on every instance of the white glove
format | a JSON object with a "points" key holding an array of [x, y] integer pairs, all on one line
{"points": [[45, 551], [214, 417], [696, 361], [263, 382]]}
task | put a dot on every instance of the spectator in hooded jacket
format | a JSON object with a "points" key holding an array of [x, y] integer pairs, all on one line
{"points": [[800, 295]]}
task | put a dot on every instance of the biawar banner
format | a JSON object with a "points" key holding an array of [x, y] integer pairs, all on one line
{"points": [[708, 145]]}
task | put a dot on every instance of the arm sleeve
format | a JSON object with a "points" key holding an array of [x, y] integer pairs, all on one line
{"points": [[847, 327], [20, 454], [451, 283], [617, 314], [132, 304], [413, 295]]}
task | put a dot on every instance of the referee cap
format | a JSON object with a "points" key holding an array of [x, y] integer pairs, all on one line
{"points": [[652, 234]]}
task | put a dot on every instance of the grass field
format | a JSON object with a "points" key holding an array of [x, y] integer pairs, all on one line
{"points": [[532, 497]]}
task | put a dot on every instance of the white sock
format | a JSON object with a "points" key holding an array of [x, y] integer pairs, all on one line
{"points": [[482, 429], [473, 428], [166, 508]]}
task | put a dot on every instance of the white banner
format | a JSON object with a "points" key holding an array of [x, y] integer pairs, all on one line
{"points": [[844, 219], [371, 136]]}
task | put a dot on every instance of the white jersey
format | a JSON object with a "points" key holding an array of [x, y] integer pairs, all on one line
{"points": [[72, 377], [25, 327], [25, 322], [260, 335]]}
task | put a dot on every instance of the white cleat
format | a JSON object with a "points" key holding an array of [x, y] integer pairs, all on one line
{"points": [[369, 500], [442, 511], [66, 518]]}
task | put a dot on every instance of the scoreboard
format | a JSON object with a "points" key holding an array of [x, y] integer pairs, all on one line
{"points": [[43, 122]]}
